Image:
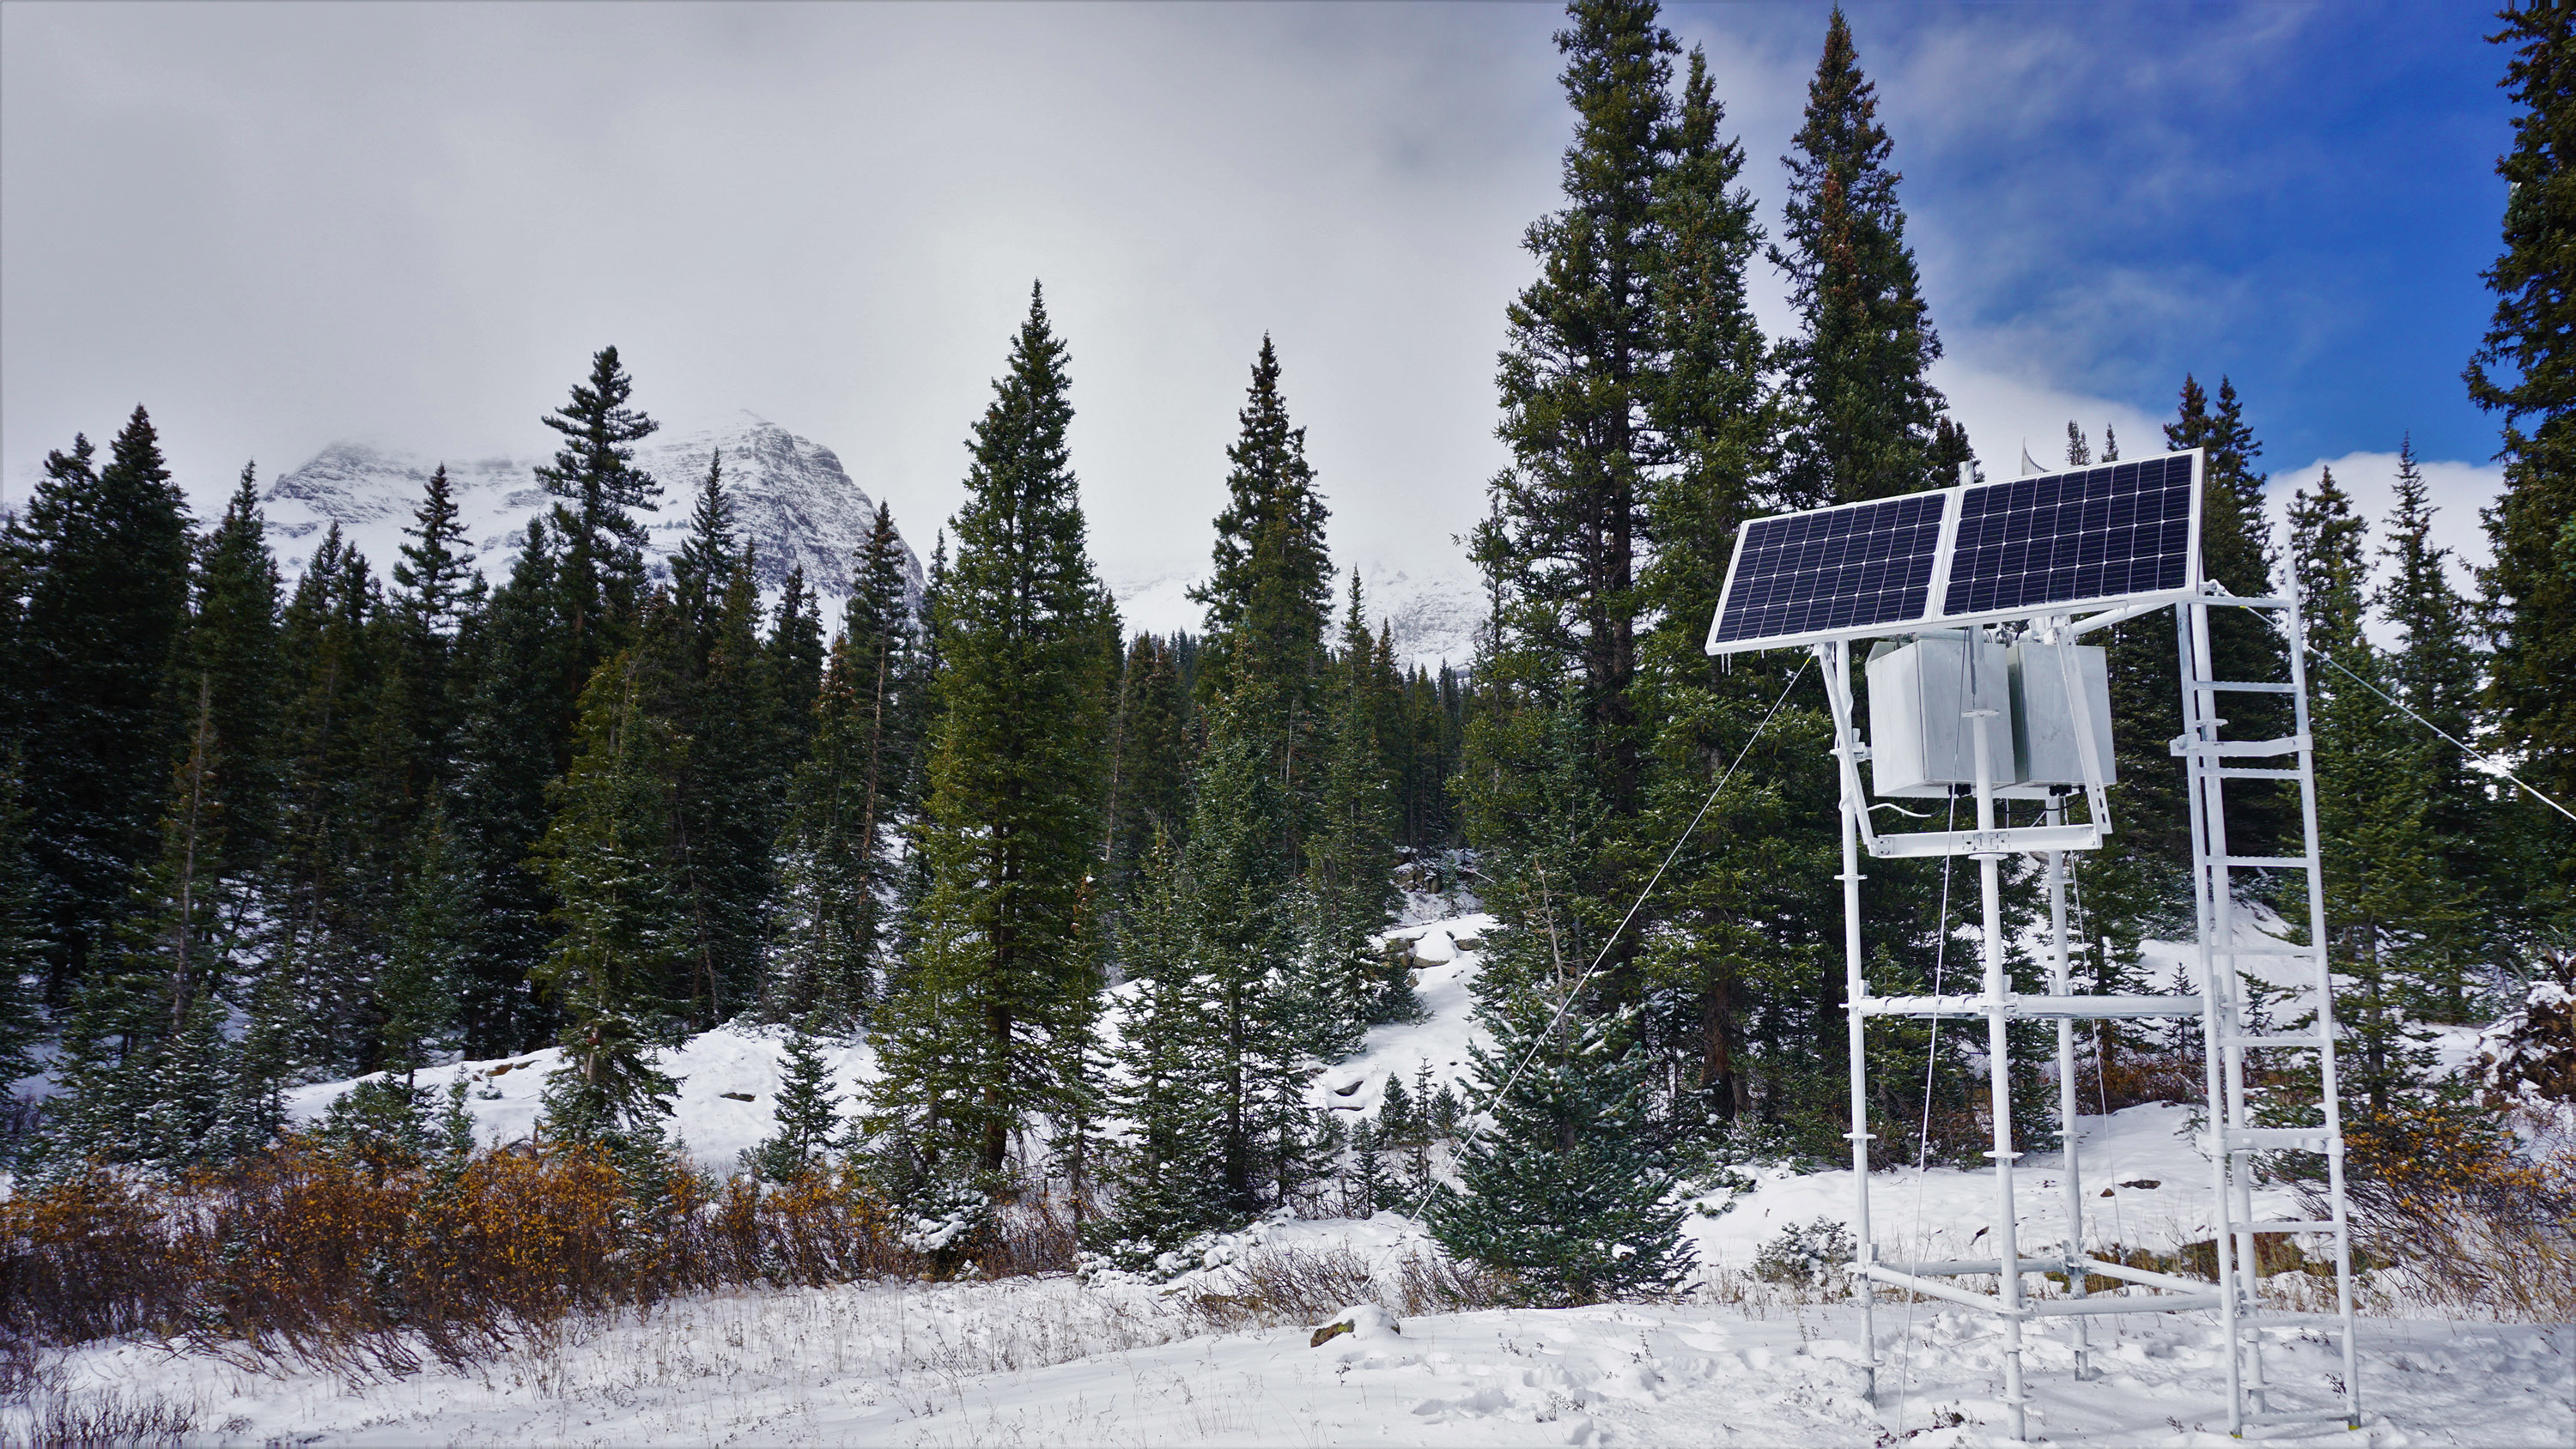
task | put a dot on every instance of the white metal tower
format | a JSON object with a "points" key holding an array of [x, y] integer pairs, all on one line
{"points": [[1939, 590]]}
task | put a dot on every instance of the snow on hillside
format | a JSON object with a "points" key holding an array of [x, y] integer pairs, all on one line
{"points": [[728, 1089], [2146, 1158], [792, 500]]}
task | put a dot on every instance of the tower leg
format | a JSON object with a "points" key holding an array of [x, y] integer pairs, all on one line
{"points": [[1999, 1072], [2067, 1097], [1836, 659]]}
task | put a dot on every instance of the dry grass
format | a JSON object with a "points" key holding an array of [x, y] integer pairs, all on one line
{"points": [[1275, 1286], [367, 1264], [2475, 1224]]}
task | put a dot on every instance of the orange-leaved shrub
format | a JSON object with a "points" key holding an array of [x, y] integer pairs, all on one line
{"points": [[371, 1259]]}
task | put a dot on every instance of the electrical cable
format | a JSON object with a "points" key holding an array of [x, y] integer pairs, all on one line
{"points": [[2484, 759]]}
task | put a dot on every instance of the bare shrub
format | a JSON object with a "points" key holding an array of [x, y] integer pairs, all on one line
{"points": [[1273, 1286], [2478, 1226], [102, 1419], [369, 1262]]}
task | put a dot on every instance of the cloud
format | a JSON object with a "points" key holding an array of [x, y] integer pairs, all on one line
{"points": [[284, 225], [2457, 491]]}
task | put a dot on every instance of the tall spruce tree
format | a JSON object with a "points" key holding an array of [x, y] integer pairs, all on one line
{"points": [[2437, 669], [710, 682], [2521, 370], [333, 878], [1351, 856], [1269, 593], [1170, 1171], [435, 590], [989, 1026], [595, 474], [104, 556], [1866, 414], [1584, 363], [515, 737], [232, 644], [845, 799], [624, 957], [2389, 906]]}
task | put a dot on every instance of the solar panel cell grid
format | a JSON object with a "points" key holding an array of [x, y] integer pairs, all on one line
{"points": [[2098, 533], [1834, 569]]}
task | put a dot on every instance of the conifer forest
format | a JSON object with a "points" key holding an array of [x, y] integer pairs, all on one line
{"points": [[1104, 912]]}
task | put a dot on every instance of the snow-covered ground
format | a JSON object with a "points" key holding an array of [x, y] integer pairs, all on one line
{"points": [[1125, 1361], [1056, 1362]]}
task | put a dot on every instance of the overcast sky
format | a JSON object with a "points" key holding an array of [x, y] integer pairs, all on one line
{"points": [[284, 226]]}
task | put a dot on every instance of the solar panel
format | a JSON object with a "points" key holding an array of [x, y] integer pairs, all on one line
{"points": [[1834, 568], [2061, 538], [1977, 553]]}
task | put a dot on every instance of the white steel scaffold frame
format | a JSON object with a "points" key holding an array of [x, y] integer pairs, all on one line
{"points": [[2229, 1032]]}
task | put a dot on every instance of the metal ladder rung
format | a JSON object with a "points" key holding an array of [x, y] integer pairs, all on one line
{"points": [[2255, 772], [2284, 1225], [2266, 862], [2243, 687], [2308, 1040], [2301, 1416], [2296, 953], [2300, 1139], [2239, 749]]}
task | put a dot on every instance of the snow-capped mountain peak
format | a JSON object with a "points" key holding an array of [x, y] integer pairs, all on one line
{"points": [[793, 502]]}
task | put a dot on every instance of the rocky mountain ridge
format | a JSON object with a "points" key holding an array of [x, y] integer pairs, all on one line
{"points": [[793, 502]]}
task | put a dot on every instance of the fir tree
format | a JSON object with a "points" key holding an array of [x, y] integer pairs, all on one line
{"points": [[330, 896], [1565, 1193], [105, 556], [2079, 452], [22, 942], [791, 671], [435, 591], [2436, 669], [232, 642], [514, 738], [1269, 593], [137, 1064], [2387, 903], [1244, 935], [428, 951], [2237, 552], [625, 945], [1169, 1172], [808, 1113], [826, 962], [1350, 859], [1866, 410], [594, 473], [999, 1001], [1149, 781], [2521, 371], [707, 683], [1365, 1187]]}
